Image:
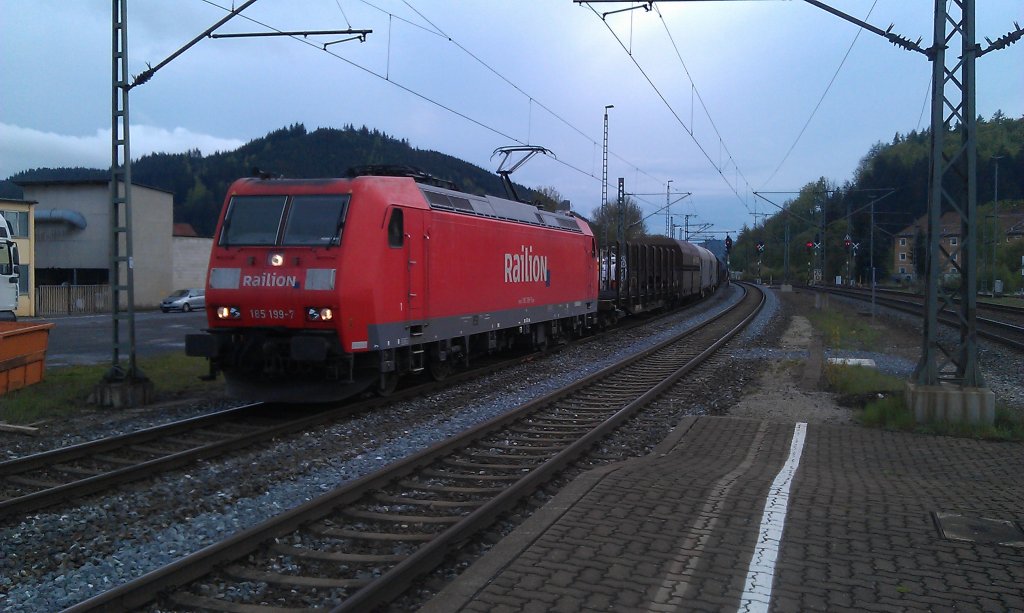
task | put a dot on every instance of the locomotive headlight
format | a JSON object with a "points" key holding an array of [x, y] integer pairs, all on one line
{"points": [[319, 313], [276, 259], [229, 313]]}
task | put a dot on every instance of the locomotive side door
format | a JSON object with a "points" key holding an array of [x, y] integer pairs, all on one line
{"points": [[414, 240]]}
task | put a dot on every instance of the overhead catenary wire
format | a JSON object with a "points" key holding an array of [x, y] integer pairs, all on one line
{"points": [[821, 99], [433, 29], [532, 100], [695, 92], [404, 88], [671, 109]]}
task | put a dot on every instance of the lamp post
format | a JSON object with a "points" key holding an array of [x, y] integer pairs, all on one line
{"points": [[604, 173], [995, 220], [668, 209]]}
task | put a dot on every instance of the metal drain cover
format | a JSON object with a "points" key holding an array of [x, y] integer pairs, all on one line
{"points": [[957, 527]]}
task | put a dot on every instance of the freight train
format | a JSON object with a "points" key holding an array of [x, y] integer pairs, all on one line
{"points": [[318, 289]]}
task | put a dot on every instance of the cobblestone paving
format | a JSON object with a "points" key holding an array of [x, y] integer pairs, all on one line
{"points": [[675, 531]]}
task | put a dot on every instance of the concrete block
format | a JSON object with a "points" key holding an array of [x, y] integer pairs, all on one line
{"points": [[949, 403]]}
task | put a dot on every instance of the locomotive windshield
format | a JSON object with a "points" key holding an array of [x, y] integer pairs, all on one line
{"points": [[314, 220], [253, 220]]}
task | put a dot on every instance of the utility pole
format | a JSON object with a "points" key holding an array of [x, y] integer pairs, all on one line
{"points": [[668, 210], [621, 234], [604, 175], [995, 221], [121, 386]]}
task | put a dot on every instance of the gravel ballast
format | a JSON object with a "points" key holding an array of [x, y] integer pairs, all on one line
{"points": [[52, 560]]}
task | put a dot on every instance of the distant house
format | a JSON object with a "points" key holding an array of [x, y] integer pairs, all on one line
{"points": [[1013, 226], [1010, 228], [905, 251]]}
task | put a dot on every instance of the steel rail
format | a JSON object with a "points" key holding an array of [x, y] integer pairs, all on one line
{"points": [[915, 308], [138, 592], [62, 493]]}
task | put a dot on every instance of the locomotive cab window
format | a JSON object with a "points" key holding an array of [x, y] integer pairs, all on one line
{"points": [[253, 220], [315, 220], [396, 229]]}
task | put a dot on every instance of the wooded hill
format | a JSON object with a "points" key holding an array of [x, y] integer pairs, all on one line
{"points": [[199, 182], [901, 166]]}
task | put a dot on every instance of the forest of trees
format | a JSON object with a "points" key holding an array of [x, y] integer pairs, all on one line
{"points": [[902, 168], [199, 182]]}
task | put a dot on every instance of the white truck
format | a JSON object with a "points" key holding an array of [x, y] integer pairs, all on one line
{"points": [[8, 273]]}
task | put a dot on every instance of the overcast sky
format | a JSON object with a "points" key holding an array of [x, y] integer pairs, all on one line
{"points": [[734, 85]]}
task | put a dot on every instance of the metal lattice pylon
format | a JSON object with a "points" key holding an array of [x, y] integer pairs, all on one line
{"points": [[121, 274], [952, 274]]}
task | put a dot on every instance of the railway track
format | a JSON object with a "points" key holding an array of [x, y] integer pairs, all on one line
{"points": [[58, 476], [361, 545], [1007, 331]]}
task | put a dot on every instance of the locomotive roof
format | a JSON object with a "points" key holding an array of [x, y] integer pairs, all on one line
{"points": [[496, 208]]}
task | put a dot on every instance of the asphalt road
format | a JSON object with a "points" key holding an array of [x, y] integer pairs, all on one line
{"points": [[88, 339]]}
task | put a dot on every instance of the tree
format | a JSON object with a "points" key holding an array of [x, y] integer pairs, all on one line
{"points": [[548, 198], [606, 219]]}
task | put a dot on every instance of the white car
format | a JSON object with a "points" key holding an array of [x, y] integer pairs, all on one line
{"points": [[184, 300]]}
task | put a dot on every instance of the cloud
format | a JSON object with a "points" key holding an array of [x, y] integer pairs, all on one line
{"points": [[26, 148]]}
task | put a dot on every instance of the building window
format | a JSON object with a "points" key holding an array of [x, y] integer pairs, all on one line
{"points": [[952, 241], [903, 243], [23, 279], [903, 256], [903, 270], [18, 221]]}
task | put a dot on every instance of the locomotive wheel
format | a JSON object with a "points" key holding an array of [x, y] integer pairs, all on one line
{"points": [[387, 384], [439, 370]]}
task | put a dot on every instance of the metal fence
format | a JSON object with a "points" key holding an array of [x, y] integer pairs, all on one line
{"points": [[72, 299]]}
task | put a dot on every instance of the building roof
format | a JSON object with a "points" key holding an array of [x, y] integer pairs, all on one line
{"points": [[97, 178], [184, 229], [949, 225], [17, 201]]}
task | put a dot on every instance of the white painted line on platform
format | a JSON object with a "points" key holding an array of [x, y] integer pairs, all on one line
{"points": [[672, 594], [757, 593]]}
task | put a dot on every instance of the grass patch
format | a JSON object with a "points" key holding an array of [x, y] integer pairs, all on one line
{"points": [[65, 391], [879, 400], [892, 414], [844, 332], [859, 380]]}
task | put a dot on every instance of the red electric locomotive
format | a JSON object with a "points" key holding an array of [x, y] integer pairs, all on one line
{"points": [[320, 288]]}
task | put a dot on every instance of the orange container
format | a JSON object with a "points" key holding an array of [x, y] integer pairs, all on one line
{"points": [[22, 353]]}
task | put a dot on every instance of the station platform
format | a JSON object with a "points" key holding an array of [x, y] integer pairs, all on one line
{"points": [[732, 514]]}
